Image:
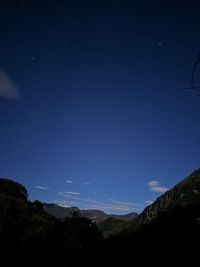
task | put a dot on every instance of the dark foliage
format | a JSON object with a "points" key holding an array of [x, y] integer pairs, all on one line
{"points": [[13, 189], [111, 226], [172, 238], [31, 237]]}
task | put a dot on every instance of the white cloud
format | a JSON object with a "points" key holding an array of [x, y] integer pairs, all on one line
{"points": [[42, 187], [64, 194], [159, 189], [153, 183], [123, 203], [149, 202], [71, 193], [8, 88], [155, 187], [69, 182], [110, 205], [65, 204], [95, 204], [86, 183]]}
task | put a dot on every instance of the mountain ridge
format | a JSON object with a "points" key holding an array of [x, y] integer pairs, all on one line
{"points": [[186, 192], [97, 216], [182, 196]]}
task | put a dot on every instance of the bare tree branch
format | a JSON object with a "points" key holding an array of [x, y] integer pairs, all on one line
{"points": [[194, 71]]}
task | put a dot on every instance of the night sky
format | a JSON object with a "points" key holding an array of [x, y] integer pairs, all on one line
{"points": [[93, 110]]}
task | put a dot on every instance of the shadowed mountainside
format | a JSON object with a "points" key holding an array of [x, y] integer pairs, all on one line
{"points": [[182, 196]]}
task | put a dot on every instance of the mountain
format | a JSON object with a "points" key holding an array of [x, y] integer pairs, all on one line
{"points": [[172, 206], [97, 216], [182, 199], [166, 232], [59, 211], [127, 217], [183, 195]]}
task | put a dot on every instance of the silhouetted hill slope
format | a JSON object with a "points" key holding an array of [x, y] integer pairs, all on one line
{"points": [[13, 189], [31, 237], [111, 226], [19, 218], [126, 217], [167, 232], [97, 216], [184, 194]]}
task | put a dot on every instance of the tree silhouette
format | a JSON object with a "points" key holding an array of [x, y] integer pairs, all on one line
{"points": [[194, 70], [28, 232]]}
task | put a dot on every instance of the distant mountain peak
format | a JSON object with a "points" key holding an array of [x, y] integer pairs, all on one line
{"points": [[97, 216]]}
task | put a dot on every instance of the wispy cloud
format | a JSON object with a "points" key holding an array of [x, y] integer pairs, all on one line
{"points": [[71, 193], [155, 187], [86, 183], [64, 194], [69, 182], [111, 205], [8, 88], [65, 204], [149, 202], [42, 187], [107, 206], [129, 204]]}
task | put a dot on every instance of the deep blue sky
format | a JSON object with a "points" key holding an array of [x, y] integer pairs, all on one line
{"points": [[92, 105]]}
